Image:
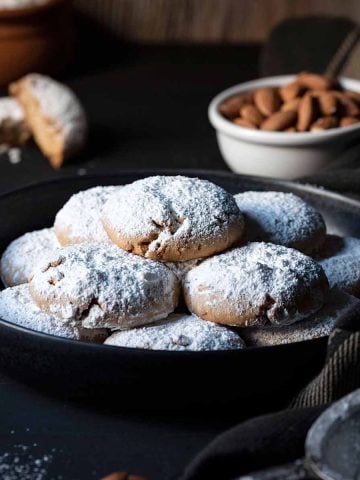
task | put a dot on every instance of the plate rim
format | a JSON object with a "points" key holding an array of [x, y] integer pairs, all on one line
{"points": [[297, 185]]}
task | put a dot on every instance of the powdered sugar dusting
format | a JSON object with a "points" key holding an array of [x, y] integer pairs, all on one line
{"points": [[281, 218], [78, 221], [23, 462], [261, 283], [177, 213], [338, 306], [343, 272], [22, 255], [178, 332], [17, 306], [182, 268], [59, 104], [10, 109], [103, 286]]}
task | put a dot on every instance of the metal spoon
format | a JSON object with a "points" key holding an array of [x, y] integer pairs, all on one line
{"points": [[332, 447]]}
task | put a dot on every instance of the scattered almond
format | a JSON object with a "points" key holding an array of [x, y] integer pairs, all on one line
{"points": [[279, 121], [122, 476], [252, 115], [324, 123], [116, 476], [347, 121], [267, 100], [244, 123]]}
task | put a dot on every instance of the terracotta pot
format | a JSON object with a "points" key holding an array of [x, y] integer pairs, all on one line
{"points": [[35, 39]]}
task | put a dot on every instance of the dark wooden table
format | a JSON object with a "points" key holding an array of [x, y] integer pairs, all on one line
{"points": [[148, 110]]}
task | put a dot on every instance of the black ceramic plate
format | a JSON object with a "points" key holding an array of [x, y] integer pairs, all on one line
{"points": [[153, 379]]}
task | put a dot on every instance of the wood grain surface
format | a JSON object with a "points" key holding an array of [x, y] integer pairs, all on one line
{"points": [[200, 21]]}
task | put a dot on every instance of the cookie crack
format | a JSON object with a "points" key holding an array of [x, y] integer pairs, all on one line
{"points": [[265, 308], [86, 312], [53, 264]]}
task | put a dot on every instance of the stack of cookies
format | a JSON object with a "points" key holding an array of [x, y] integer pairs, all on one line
{"points": [[178, 263]]}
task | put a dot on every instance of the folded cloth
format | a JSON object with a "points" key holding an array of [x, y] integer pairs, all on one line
{"points": [[279, 438]]}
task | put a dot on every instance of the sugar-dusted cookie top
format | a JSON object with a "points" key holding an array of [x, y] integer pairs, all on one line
{"points": [[23, 254], [178, 332], [283, 219], [260, 283], [100, 285], [79, 220], [17, 306], [172, 218]]}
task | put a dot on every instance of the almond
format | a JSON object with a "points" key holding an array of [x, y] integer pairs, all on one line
{"points": [[315, 81], [347, 121], [306, 113], [328, 103], [349, 108], [252, 115], [353, 95], [244, 123], [267, 100], [324, 123], [291, 105], [116, 476], [290, 91], [279, 121], [230, 108], [122, 476]]}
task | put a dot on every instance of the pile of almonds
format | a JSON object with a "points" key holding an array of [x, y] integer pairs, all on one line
{"points": [[310, 103]]}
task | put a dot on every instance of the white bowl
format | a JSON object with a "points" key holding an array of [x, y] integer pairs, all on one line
{"points": [[278, 154]]}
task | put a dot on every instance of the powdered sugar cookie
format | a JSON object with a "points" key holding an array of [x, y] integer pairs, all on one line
{"points": [[338, 305], [103, 286], [182, 268], [339, 247], [283, 219], [54, 114], [23, 254], [13, 127], [343, 272], [172, 218], [79, 220], [17, 306], [257, 284], [178, 332]]}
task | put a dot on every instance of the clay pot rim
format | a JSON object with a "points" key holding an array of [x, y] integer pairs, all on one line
{"points": [[10, 13]]}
